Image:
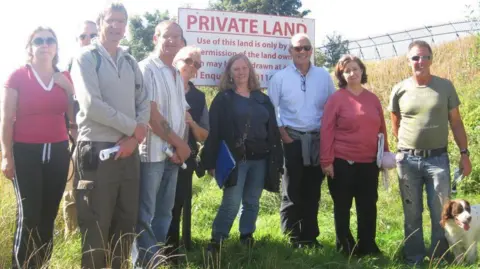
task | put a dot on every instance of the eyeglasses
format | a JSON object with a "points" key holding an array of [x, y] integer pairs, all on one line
{"points": [[300, 48], [40, 41], [190, 61], [304, 83], [83, 36], [417, 58]]}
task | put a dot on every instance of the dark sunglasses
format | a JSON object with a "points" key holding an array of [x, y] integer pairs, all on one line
{"points": [[83, 36], [305, 48], [416, 58], [40, 41], [190, 61]]}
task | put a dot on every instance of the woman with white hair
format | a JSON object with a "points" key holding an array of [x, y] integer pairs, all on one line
{"points": [[188, 61]]}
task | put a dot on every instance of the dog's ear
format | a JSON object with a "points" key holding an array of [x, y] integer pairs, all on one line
{"points": [[467, 206], [446, 213]]}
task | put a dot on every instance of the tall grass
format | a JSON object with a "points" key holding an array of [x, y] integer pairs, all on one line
{"points": [[271, 250]]}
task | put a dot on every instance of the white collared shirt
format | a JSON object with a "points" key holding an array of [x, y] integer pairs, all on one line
{"points": [[299, 109], [168, 93]]}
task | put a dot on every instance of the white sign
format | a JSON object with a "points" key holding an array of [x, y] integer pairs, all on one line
{"points": [[264, 39]]}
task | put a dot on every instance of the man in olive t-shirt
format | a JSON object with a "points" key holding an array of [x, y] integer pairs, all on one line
{"points": [[422, 107], [424, 110]]}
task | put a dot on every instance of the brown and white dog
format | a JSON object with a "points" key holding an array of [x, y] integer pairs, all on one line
{"points": [[462, 228]]}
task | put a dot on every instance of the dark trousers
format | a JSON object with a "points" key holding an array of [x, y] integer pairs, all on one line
{"points": [[107, 194], [41, 172], [359, 181], [300, 196], [183, 200]]}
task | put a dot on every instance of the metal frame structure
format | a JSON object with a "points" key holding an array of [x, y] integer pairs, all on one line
{"points": [[390, 45]]}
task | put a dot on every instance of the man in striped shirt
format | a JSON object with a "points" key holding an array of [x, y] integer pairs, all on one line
{"points": [[158, 179]]}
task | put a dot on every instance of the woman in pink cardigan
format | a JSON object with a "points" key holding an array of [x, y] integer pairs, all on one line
{"points": [[352, 120]]}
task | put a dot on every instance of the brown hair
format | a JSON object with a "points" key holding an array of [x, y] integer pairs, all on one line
{"points": [[420, 44], [340, 68], [226, 80], [28, 47], [446, 213], [111, 7]]}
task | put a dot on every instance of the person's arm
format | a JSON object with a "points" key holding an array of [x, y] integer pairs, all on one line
{"points": [[331, 85], [88, 93], [461, 140], [64, 80], [275, 135], [383, 127], [395, 118], [142, 102], [274, 94], [327, 133], [8, 111], [394, 109], [200, 129], [161, 127], [458, 129], [210, 149]]}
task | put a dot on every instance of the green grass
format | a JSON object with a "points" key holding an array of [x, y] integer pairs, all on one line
{"points": [[271, 249]]}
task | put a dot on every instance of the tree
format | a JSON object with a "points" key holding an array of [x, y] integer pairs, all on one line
{"points": [[270, 7], [334, 48], [319, 57], [141, 30]]}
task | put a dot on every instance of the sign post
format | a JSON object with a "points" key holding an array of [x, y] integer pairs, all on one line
{"points": [[264, 39]]}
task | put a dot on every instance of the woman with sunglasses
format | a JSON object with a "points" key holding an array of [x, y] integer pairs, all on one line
{"points": [[188, 62], [34, 143], [243, 117], [352, 119]]}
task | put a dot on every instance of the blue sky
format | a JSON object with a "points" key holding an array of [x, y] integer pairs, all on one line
{"points": [[351, 18]]}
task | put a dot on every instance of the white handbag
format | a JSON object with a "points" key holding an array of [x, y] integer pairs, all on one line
{"points": [[385, 160]]}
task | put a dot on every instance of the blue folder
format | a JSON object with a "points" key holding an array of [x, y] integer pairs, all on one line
{"points": [[224, 165]]}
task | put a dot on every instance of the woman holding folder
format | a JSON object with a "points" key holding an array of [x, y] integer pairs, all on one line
{"points": [[243, 123], [352, 120]]}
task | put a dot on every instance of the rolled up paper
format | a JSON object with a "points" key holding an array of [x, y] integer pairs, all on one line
{"points": [[105, 153], [169, 153]]}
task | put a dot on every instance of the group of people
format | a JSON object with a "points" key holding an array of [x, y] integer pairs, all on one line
{"points": [[130, 204]]}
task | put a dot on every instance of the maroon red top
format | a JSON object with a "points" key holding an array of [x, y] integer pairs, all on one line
{"points": [[350, 127], [40, 115]]}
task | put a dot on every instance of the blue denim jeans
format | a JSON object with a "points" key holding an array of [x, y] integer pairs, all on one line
{"points": [[158, 181], [414, 172], [250, 183]]}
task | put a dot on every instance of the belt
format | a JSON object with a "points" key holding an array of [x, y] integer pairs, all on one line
{"points": [[425, 153], [302, 133]]}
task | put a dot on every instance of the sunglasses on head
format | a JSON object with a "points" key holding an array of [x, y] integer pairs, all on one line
{"points": [[40, 41], [417, 58], [190, 61], [83, 36], [300, 48]]}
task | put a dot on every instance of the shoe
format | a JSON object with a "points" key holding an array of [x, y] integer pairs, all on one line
{"points": [[454, 188], [247, 240], [213, 247], [373, 250], [295, 243], [313, 244], [306, 244], [213, 254]]}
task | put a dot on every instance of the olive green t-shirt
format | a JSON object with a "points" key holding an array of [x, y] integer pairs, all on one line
{"points": [[424, 112]]}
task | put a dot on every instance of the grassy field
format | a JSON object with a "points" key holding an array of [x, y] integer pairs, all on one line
{"points": [[453, 60]]}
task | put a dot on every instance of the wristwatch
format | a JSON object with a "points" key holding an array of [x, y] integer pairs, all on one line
{"points": [[465, 151]]}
